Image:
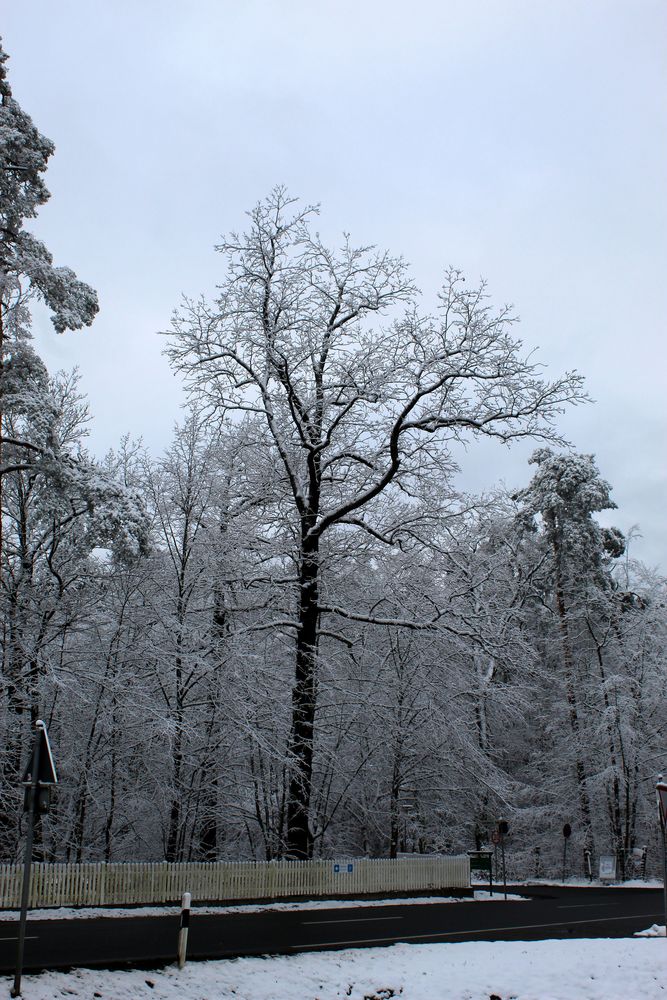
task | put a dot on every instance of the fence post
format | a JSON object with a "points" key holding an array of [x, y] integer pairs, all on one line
{"points": [[183, 931]]}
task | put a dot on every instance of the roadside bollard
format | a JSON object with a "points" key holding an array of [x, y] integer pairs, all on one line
{"points": [[186, 899]]}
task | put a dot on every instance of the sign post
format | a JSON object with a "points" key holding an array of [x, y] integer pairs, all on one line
{"points": [[567, 830], [661, 795], [39, 775], [503, 830], [495, 840], [480, 861]]}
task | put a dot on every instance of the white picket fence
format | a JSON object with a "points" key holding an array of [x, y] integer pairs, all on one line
{"points": [[220, 881]]}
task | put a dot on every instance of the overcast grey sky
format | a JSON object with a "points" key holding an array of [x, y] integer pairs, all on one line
{"points": [[521, 140]]}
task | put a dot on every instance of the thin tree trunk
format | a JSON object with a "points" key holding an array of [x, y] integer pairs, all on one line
{"points": [[613, 794], [570, 694], [173, 835]]}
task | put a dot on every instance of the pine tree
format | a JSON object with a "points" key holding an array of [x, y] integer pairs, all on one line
{"points": [[27, 272], [56, 504], [565, 492]]}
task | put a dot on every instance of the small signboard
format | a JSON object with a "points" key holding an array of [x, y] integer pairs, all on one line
{"points": [[608, 866], [343, 869], [495, 837], [480, 861]]}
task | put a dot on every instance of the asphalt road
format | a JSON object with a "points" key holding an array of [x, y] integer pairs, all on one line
{"points": [[551, 912]]}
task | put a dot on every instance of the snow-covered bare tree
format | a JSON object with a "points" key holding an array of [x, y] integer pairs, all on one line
{"points": [[53, 520], [181, 489], [352, 414]]}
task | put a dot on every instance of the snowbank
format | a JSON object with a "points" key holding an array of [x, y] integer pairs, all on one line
{"points": [[622, 969], [90, 912]]}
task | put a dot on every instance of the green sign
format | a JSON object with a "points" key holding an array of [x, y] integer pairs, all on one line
{"points": [[480, 862]]}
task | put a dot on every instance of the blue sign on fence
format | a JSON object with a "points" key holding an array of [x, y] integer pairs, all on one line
{"points": [[347, 869]]}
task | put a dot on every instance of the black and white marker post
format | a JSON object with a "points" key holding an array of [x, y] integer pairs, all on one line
{"points": [[39, 775], [186, 899], [661, 794]]}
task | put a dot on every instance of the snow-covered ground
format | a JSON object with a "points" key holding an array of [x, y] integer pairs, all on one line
{"points": [[89, 912], [584, 883], [512, 970], [655, 930]]}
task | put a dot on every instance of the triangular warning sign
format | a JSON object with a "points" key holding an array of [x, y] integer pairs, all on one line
{"points": [[46, 770], [661, 789]]}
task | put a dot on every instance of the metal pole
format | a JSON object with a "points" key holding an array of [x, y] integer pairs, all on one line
{"points": [[664, 868], [661, 789], [564, 857], [502, 853], [25, 892]]}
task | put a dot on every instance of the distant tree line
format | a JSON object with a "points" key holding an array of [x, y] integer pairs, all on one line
{"points": [[291, 635]]}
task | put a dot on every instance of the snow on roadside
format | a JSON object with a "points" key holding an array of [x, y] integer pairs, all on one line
{"points": [[90, 912], [602, 969], [655, 930], [497, 896], [584, 883], [639, 883]]}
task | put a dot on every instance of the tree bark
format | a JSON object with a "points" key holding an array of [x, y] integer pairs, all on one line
{"points": [[571, 697], [300, 750]]}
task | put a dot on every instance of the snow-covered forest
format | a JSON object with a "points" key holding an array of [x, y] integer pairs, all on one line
{"points": [[292, 634]]}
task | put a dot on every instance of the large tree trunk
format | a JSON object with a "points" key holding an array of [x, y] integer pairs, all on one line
{"points": [[304, 693], [394, 804]]}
